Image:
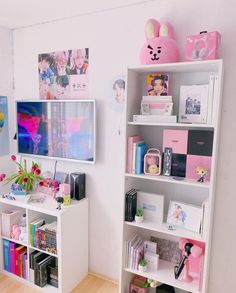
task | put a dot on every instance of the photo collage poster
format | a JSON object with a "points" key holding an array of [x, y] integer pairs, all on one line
{"points": [[63, 75], [4, 129]]}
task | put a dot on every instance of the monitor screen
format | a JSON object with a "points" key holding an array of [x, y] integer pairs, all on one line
{"points": [[57, 129]]}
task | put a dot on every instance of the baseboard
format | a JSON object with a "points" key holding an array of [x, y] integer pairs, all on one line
{"points": [[115, 282]]}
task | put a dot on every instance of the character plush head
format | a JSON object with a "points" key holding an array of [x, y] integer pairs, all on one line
{"points": [[160, 47]]}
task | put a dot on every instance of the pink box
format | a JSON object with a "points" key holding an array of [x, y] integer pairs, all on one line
{"points": [[203, 46], [175, 139], [194, 161]]}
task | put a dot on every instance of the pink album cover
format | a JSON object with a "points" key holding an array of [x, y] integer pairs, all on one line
{"points": [[175, 139]]}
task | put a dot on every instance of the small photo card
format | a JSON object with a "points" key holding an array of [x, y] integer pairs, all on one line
{"points": [[185, 215]]}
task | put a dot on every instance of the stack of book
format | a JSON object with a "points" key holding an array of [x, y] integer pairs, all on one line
{"points": [[156, 109], [53, 275], [15, 258], [136, 149], [40, 268], [130, 205], [44, 236], [134, 252]]}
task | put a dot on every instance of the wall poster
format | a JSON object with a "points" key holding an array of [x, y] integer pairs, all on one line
{"points": [[63, 75], [4, 128]]}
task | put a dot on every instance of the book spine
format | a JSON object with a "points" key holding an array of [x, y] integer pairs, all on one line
{"points": [[16, 262], [31, 235], [6, 247], [141, 150], [12, 257]]}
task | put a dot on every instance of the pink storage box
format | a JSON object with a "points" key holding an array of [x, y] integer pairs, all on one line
{"points": [[175, 139], [203, 46], [194, 161]]}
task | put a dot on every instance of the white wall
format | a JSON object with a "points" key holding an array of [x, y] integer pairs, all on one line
{"points": [[6, 82], [114, 39]]}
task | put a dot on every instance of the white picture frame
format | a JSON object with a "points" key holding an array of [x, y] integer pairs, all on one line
{"points": [[152, 206], [185, 216], [193, 103]]}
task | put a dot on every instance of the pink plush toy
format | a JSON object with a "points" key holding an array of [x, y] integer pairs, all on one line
{"points": [[160, 46], [15, 232]]}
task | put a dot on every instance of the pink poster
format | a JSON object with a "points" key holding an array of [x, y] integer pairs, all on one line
{"points": [[63, 75]]}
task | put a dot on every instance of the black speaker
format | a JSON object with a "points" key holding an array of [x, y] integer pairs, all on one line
{"points": [[77, 185]]}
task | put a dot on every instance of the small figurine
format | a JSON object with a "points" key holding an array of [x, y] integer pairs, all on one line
{"points": [[202, 172], [60, 201]]}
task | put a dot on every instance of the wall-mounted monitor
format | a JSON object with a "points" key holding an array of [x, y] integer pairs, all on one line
{"points": [[57, 129]]}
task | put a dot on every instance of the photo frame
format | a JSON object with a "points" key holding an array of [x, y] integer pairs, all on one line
{"points": [[152, 206], [193, 102], [185, 216]]}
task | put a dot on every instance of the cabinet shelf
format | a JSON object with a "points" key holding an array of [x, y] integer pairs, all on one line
{"points": [[165, 274], [44, 251], [175, 125], [68, 258], [46, 289], [15, 241], [167, 179], [163, 228]]}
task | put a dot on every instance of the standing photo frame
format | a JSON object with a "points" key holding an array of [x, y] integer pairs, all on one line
{"points": [[152, 206], [185, 216], [193, 102]]}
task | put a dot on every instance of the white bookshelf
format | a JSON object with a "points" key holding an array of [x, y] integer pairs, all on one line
{"points": [[72, 239], [186, 190]]}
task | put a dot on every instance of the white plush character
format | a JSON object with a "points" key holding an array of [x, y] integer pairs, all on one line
{"points": [[23, 234]]}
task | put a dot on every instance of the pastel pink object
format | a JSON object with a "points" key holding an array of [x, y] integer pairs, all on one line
{"points": [[196, 258], [151, 160], [203, 46], [130, 141], [176, 139], [64, 188], [193, 162], [160, 46], [15, 232]]}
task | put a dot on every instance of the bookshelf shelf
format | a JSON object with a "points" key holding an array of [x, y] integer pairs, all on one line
{"points": [[140, 136], [72, 264], [49, 253], [174, 125], [13, 240], [168, 179], [163, 229], [165, 274]]}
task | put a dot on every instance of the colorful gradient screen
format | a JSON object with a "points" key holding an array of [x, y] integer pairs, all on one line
{"points": [[60, 129]]}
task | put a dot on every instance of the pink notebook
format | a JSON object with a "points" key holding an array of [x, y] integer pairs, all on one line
{"points": [[130, 141]]}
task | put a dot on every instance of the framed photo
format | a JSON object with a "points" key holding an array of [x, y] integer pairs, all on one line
{"points": [[152, 206], [185, 215], [193, 103]]}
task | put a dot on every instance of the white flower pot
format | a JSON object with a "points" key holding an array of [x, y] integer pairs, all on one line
{"points": [[138, 219]]}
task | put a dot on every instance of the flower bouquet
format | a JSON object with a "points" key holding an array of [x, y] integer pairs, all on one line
{"points": [[24, 179]]}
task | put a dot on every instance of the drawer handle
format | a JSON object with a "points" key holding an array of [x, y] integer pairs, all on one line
{"points": [[200, 142], [175, 141]]}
